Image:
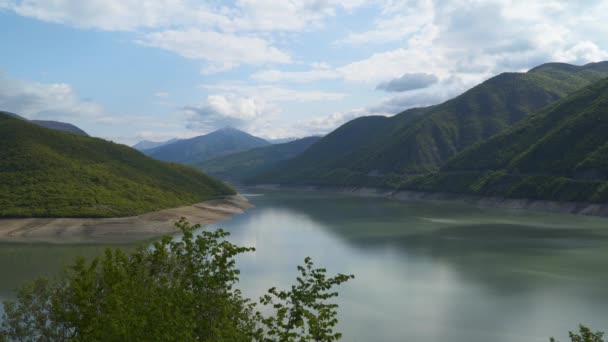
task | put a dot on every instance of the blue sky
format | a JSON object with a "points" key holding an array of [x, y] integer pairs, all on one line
{"points": [[129, 70]]}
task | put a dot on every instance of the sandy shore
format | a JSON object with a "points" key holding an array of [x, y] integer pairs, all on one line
{"points": [[118, 230]]}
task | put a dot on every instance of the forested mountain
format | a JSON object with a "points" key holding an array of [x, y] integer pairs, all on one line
{"points": [[49, 173], [559, 153], [244, 165], [420, 140], [196, 150]]}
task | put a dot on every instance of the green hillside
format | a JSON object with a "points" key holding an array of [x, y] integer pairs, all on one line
{"points": [[198, 149], [559, 153], [244, 165], [370, 150], [56, 125], [47, 173]]}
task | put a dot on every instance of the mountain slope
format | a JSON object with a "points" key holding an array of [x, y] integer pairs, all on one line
{"points": [[59, 126], [48, 173], [198, 149], [244, 165], [56, 125], [419, 140], [148, 145], [559, 153]]}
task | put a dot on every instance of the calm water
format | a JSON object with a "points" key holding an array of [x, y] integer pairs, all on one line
{"points": [[424, 272]]}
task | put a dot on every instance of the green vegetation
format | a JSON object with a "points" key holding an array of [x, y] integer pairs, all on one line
{"points": [[199, 149], [244, 165], [585, 335], [175, 291], [47, 173], [373, 150], [559, 153]]}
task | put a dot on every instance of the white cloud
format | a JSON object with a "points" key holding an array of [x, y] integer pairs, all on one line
{"points": [[230, 110], [50, 101], [119, 15], [582, 52], [398, 20], [222, 50], [129, 15], [277, 94]]}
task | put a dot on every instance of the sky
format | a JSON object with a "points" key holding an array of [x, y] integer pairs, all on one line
{"points": [[131, 70]]}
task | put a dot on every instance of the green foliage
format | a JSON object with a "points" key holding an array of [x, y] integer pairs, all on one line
{"points": [[303, 313], [244, 165], [47, 173], [420, 140], [559, 153], [585, 335], [175, 290], [199, 149]]}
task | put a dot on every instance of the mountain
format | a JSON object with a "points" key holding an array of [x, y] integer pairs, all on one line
{"points": [[244, 165], [282, 140], [197, 150], [372, 150], [56, 125], [49, 173], [59, 126], [148, 145], [12, 115], [559, 153]]}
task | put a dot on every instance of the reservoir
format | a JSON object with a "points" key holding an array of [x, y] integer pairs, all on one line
{"points": [[424, 271]]}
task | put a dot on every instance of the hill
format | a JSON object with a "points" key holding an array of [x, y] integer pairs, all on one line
{"points": [[59, 126], [372, 150], [56, 125], [48, 173], [559, 153], [244, 165], [148, 145], [199, 149]]}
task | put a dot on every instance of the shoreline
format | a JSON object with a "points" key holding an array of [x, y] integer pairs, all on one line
{"points": [[123, 230], [574, 208]]}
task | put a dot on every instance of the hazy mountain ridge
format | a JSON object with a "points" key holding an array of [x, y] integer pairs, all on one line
{"points": [[149, 145], [244, 165], [199, 149], [420, 140], [49, 173]]}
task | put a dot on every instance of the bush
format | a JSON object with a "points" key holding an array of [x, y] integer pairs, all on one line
{"points": [[172, 291], [585, 335]]}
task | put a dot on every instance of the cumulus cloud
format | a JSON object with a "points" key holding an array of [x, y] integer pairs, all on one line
{"points": [[229, 110], [50, 101], [408, 82]]}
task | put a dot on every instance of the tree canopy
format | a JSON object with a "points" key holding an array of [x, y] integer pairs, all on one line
{"points": [[175, 290]]}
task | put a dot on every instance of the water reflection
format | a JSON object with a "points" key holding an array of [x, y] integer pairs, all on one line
{"points": [[433, 272]]}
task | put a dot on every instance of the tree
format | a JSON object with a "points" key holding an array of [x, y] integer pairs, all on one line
{"points": [[175, 290], [585, 335]]}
